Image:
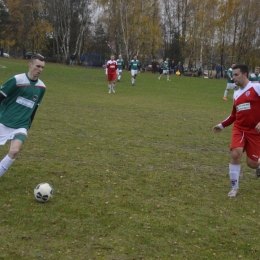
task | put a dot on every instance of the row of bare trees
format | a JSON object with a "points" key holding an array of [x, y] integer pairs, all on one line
{"points": [[207, 32], [200, 32]]}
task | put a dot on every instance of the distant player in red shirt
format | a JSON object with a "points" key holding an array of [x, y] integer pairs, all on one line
{"points": [[246, 131], [111, 72]]}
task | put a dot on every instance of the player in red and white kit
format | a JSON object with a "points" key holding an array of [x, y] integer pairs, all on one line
{"points": [[111, 72], [246, 131]]}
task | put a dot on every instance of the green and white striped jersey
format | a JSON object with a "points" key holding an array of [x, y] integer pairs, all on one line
{"points": [[120, 64], [22, 96]]}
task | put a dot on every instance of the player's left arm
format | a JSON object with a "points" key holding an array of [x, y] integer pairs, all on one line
{"points": [[257, 89], [36, 107], [2, 97], [33, 114]]}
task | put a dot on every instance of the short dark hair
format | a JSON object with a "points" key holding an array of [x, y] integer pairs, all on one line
{"points": [[37, 57], [243, 68]]}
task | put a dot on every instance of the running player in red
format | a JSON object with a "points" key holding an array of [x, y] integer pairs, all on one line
{"points": [[246, 131], [111, 72]]}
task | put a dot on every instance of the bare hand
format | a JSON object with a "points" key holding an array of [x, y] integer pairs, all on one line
{"points": [[257, 128], [216, 129]]}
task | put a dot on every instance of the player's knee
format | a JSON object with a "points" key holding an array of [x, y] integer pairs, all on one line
{"points": [[13, 152], [252, 164], [236, 154]]}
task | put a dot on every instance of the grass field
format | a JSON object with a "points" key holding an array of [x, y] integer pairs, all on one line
{"points": [[137, 174]]}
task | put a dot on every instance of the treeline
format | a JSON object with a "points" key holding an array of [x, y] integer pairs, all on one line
{"points": [[199, 32]]}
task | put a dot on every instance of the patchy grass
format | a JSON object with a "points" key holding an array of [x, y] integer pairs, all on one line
{"points": [[137, 174]]}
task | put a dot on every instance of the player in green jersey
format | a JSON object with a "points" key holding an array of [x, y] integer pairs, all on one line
{"points": [[120, 64], [134, 68], [19, 99], [255, 76], [165, 69], [230, 82]]}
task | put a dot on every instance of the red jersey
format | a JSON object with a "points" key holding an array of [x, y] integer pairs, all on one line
{"points": [[111, 67], [246, 109]]}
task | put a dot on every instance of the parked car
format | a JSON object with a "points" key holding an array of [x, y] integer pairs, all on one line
{"points": [[149, 68], [28, 55], [6, 55]]}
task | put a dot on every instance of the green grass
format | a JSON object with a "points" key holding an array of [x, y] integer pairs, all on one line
{"points": [[137, 174]]}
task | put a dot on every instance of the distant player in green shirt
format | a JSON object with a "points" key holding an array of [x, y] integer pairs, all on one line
{"points": [[255, 76], [230, 82], [120, 64], [134, 68], [165, 69], [19, 99]]}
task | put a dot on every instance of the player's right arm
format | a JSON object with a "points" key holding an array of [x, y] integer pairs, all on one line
{"points": [[8, 87], [227, 122], [107, 67]]}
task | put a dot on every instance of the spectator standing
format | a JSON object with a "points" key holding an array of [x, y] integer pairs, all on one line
{"points": [[179, 68], [82, 59], [154, 66], [218, 71], [72, 59], [172, 67]]}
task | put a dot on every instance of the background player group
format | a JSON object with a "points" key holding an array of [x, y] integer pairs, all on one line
{"points": [[114, 69]]}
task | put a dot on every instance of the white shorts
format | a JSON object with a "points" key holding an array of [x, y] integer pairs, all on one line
{"points": [[120, 71], [134, 72], [7, 133], [231, 85], [165, 71]]}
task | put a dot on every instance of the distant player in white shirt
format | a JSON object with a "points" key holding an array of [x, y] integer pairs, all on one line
{"points": [[255, 76], [134, 68], [120, 64], [165, 70], [230, 82]]}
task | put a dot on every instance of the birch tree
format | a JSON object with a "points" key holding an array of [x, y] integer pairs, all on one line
{"points": [[136, 25]]}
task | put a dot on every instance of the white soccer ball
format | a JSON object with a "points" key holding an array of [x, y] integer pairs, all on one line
{"points": [[43, 192]]}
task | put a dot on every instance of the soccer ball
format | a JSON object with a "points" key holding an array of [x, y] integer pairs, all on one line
{"points": [[43, 192]]}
